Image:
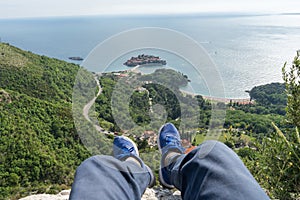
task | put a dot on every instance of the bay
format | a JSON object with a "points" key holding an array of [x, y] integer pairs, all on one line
{"points": [[248, 50]]}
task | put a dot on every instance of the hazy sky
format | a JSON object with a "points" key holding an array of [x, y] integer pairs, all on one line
{"points": [[42, 8]]}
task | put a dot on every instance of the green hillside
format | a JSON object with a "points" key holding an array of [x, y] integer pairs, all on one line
{"points": [[37, 76], [39, 146]]}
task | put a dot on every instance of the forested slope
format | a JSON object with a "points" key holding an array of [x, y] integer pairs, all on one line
{"points": [[39, 146]]}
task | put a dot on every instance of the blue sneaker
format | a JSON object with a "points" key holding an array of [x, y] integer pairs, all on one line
{"points": [[124, 147], [168, 140]]}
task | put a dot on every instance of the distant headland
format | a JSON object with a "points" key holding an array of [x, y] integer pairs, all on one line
{"points": [[144, 60]]}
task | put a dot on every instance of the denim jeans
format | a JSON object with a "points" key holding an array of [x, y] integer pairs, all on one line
{"points": [[211, 171]]}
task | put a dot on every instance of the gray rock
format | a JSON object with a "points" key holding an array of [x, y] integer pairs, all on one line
{"points": [[156, 193]]}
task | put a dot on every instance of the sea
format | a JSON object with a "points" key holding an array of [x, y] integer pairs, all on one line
{"points": [[247, 49]]}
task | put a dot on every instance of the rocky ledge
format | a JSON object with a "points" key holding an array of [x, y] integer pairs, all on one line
{"points": [[156, 193]]}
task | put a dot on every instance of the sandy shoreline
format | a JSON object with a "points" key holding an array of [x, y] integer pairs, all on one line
{"points": [[219, 99], [228, 100]]}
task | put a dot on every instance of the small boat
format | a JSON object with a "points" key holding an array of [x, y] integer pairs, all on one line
{"points": [[76, 58]]}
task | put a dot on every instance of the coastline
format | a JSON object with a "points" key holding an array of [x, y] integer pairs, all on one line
{"points": [[225, 100], [243, 101]]}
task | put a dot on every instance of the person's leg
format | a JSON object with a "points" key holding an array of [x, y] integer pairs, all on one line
{"points": [[123, 176], [211, 171]]}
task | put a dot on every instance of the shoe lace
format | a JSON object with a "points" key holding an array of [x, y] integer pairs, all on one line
{"points": [[172, 140], [128, 149]]}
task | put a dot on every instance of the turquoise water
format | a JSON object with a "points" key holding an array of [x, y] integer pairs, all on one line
{"points": [[248, 50]]}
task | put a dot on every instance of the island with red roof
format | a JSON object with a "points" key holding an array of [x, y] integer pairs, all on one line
{"points": [[144, 60]]}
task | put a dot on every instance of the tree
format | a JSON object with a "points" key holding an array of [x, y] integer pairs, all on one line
{"points": [[291, 78], [276, 164]]}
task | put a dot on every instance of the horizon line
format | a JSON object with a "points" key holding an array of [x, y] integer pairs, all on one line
{"points": [[192, 14]]}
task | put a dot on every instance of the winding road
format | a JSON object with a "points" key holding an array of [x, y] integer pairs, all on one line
{"points": [[88, 106]]}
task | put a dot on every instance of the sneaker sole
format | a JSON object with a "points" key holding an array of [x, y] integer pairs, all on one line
{"points": [[161, 180], [152, 177], [158, 141]]}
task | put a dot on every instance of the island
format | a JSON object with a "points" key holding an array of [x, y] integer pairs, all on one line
{"points": [[144, 60]]}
